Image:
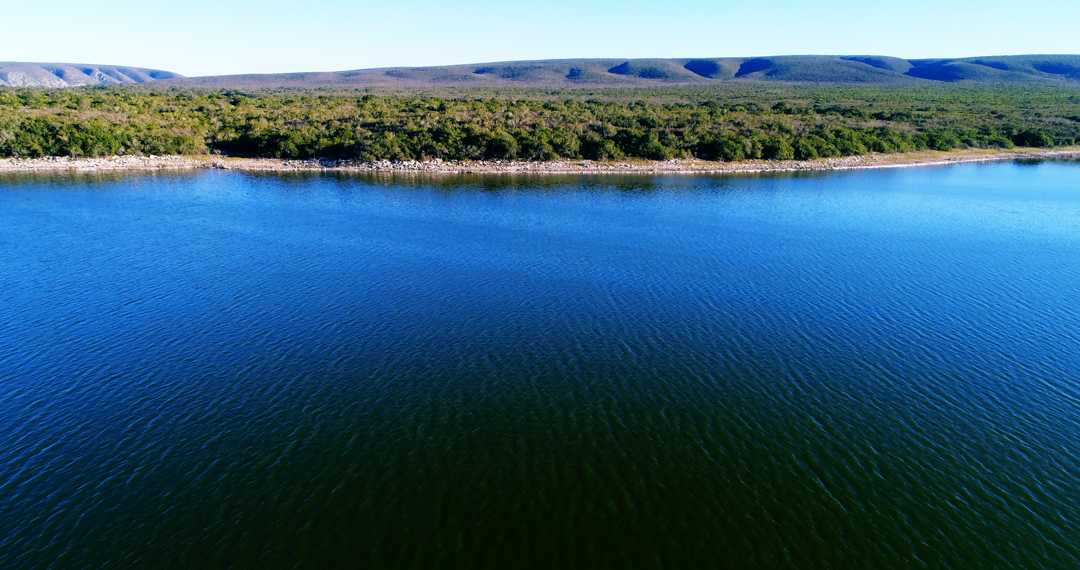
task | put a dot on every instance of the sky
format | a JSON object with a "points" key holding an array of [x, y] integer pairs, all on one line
{"points": [[211, 37]]}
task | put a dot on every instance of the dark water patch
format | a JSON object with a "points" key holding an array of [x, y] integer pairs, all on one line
{"points": [[860, 369]]}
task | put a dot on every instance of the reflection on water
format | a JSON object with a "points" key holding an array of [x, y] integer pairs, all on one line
{"points": [[864, 369]]}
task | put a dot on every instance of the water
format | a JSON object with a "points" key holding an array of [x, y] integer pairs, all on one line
{"points": [[871, 369]]}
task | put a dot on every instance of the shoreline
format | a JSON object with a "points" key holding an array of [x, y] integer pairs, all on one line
{"points": [[676, 166]]}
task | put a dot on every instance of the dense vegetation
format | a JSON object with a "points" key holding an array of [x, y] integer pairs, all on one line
{"points": [[729, 123]]}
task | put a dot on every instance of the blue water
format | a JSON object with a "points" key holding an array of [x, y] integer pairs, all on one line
{"points": [[866, 369]]}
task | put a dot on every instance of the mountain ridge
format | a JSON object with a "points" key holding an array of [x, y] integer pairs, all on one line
{"points": [[599, 72], [571, 73], [25, 74]]}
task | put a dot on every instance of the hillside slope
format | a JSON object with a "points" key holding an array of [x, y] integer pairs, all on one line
{"points": [[20, 74], [590, 73], [571, 73]]}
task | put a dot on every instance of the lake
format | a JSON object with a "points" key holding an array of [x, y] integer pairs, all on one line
{"points": [[862, 369]]}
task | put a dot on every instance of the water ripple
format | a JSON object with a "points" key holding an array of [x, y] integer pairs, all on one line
{"points": [[863, 369]]}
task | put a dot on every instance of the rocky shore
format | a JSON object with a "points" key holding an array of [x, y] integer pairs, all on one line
{"points": [[678, 166]]}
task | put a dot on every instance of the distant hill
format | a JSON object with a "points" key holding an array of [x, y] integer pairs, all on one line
{"points": [[18, 74], [590, 73], [571, 73]]}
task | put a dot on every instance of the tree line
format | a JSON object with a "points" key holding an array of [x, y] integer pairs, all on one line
{"points": [[288, 124]]}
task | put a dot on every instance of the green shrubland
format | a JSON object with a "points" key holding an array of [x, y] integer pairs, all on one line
{"points": [[727, 124]]}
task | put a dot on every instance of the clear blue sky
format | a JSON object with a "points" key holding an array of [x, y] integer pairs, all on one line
{"points": [[213, 37]]}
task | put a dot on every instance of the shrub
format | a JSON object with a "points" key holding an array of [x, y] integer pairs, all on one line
{"points": [[1037, 139]]}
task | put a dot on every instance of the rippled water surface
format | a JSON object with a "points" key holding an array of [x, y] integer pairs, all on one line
{"points": [[872, 369]]}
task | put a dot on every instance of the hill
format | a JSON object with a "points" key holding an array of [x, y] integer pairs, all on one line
{"points": [[587, 73], [20, 74], [593, 73]]}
